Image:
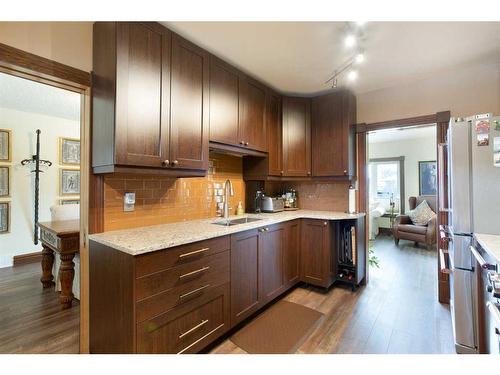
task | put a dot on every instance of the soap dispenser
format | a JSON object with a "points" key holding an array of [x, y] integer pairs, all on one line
{"points": [[239, 209]]}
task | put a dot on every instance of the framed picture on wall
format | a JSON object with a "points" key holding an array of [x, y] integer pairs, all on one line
{"points": [[69, 201], [69, 181], [4, 217], [427, 177], [5, 145], [4, 181], [69, 151]]}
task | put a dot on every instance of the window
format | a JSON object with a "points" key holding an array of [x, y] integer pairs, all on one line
{"points": [[386, 182]]}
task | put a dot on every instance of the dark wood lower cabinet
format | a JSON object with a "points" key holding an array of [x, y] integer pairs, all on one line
{"points": [[244, 275], [179, 300], [292, 252], [316, 265], [272, 242]]}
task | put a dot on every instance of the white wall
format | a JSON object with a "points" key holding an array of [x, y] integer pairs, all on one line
{"points": [[23, 126], [414, 150], [465, 91]]}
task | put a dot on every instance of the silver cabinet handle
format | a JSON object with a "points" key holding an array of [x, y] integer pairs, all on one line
{"points": [[195, 328], [493, 308], [194, 252], [192, 273], [197, 290], [484, 265]]}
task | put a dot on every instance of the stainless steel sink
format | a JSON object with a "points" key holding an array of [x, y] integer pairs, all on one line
{"points": [[231, 222]]}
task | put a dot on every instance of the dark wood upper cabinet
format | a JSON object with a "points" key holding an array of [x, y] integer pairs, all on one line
{"points": [[150, 100], [224, 110], [333, 134], [245, 298], [272, 242], [274, 134], [296, 136], [189, 105], [252, 120], [141, 130], [316, 252]]}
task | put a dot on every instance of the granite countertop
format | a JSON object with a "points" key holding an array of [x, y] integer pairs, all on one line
{"points": [[146, 239], [490, 243]]}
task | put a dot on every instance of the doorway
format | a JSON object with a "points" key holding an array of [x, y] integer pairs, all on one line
{"points": [[40, 99]]}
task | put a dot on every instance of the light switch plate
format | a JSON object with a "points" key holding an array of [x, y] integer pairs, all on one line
{"points": [[129, 202]]}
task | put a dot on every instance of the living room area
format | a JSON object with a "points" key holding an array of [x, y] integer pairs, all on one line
{"points": [[402, 175]]}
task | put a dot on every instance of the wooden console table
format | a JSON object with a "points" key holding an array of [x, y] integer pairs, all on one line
{"points": [[64, 237]]}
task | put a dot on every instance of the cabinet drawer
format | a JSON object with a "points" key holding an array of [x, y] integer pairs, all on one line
{"points": [[168, 258], [201, 270], [163, 301], [187, 329]]}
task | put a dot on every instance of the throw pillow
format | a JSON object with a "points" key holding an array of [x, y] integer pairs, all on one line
{"points": [[421, 214]]}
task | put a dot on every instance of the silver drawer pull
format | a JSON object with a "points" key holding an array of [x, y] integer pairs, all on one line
{"points": [[195, 328], [195, 272], [197, 290], [194, 252]]}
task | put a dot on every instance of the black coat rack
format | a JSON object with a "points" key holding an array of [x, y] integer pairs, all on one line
{"points": [[37, 161]]}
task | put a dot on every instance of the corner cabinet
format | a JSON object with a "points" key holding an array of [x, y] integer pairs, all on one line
{"points": [[296, 137], [333, 135], [144, 79], [274, 134]]}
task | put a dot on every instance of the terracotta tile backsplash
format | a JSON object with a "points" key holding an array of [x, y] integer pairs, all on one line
{"points": [[161, 199]]}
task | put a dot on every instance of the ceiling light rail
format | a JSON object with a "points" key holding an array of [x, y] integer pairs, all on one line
{"points": [[347, 65]]}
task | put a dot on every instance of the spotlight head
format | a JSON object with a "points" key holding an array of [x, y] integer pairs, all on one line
{"points": [[350, 41]]}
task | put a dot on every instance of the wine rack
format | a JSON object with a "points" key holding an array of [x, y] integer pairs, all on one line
{"points": [[350, 260]]}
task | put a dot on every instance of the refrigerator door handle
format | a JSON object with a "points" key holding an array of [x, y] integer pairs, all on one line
{"points": [[482, 263], [442, 151]]}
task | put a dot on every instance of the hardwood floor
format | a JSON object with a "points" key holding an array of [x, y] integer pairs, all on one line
{"points": [[31, 319], [397, 312]]}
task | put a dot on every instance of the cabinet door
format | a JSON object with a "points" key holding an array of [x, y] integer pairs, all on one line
{"points": [[252, 125], [315, 257], [274, 135], [244, 275], [296, 136], [189, 106], [142, 120], [291, 252], [333, 147], [271, 251], [223, 103]]}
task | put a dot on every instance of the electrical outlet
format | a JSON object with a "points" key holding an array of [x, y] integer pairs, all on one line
{"points": [[129, 202]]}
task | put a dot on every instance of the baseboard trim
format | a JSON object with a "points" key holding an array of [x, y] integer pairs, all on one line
{"points": [[27, 258]]}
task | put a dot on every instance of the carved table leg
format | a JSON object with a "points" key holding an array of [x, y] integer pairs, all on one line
{"points": [[66, 275], [47, 278]]}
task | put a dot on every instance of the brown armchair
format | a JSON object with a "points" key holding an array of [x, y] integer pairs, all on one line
{"points": [[404, 229]]}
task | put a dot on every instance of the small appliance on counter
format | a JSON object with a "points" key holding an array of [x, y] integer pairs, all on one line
{"points": [[272, 204]]}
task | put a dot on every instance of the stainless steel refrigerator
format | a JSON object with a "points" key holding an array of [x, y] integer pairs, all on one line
{"points": [[473, 150]]}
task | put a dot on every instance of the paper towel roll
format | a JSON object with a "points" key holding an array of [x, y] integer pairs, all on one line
{"points": [[352, 200]]}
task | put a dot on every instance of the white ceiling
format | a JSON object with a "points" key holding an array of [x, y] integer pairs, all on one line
{"points": [[298, 57], [28, 96], [400, 134]]}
